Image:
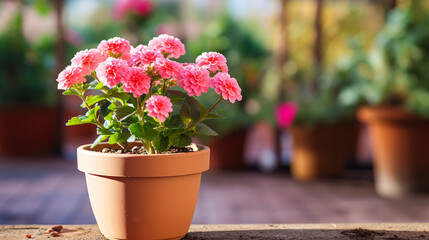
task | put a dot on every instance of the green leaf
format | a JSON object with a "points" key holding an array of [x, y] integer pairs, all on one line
{"points": [[181, 141], [174, 122], [99, 139], [119, 137], [190, 110], [90, 117], [150, 132], [121, 95], [123, 112], [202, 129], [101, 131], [145, 131], [162, 144], [79, 120], [137, 130], [71, 91], [95, 99]]}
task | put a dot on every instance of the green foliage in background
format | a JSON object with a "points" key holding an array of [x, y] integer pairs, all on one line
{"points": [[26, 68], [400, 61]]}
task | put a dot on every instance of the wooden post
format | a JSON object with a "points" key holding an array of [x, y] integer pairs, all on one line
{"points": [[60, 60], [317, 51]]}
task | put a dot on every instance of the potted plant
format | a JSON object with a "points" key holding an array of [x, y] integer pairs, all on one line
{"points": [[25, 90], [398, 98], [143, 183], [321, 121]]}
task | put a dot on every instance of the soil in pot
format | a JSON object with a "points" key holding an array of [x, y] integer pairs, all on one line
{"points": [[323, 150], [400, 150], [140, 196]]}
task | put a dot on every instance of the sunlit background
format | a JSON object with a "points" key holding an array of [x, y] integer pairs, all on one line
{"points": [[327, 59]]}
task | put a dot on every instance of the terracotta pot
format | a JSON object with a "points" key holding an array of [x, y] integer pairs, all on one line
{"points": [[228, 150], [322, 151], [137, 196], [34, 127], [400, 151]]}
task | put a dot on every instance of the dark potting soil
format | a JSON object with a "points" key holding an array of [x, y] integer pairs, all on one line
{"points": [[142, 150]]}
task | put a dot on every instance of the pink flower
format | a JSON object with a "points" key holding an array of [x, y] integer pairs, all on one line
{"points": [[139, 7], [70, 76], [212, 61], [168, 45], [114, 47], [142, 55], [137, 82], [227, 86], [88, 60], [168, 68], [285, 113], [194, 80], [159, 107], [112, 71]]}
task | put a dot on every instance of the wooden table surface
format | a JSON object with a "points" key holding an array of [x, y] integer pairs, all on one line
{"points": [[253, 231]]}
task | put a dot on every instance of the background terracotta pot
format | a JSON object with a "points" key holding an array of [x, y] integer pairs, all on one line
{"points": [[228, 150], [400, 151], [323, 150], [34, 127], [143, 196]]}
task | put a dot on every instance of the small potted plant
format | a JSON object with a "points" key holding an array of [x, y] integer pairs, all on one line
{"points": [[398, 102], [143, 183]]}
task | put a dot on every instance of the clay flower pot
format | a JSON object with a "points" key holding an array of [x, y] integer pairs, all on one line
{"points": [[400, 150], [322, 151], [138, 196]]}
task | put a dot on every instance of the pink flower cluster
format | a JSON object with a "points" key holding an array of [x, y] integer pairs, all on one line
{"points": [[159, 107], [168, 45], [115, 47], [116, 63], [226, 86], [212, 61], [70, 76], [137, 83]]}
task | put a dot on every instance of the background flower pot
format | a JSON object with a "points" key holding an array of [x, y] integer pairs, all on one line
{"points": [[143, 196], [400, 151], [228, 150], [323, 150], [32, 127]]}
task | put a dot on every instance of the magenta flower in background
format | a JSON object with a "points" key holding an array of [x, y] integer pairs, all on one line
{"points": [[70, 76], [285, 114], [159, 107], [138, 7]]}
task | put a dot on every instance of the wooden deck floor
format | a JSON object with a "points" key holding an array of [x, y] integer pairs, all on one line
{"points": [[54, 192]]}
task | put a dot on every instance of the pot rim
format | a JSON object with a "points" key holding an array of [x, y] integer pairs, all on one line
{"points": [[369, 114], [142, 165]]}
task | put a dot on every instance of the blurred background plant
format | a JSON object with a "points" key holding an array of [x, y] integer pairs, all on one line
{"points": [[400, 59], [27, 67]]}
